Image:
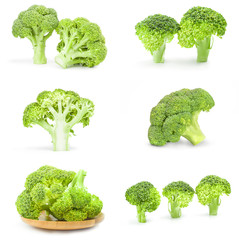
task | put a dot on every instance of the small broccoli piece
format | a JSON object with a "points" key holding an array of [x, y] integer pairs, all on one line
{"points": [[154, 32], [76, 203], [81, 43], [145, 197], [209, 191], [177, 114], [65, 109], [197, 27], [179, 195], [37, 24], [42, 188]]}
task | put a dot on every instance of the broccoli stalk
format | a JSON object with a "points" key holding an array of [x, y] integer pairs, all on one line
{"points": [[37, 24], [213, 206], [158, 55], [65, 108], [174, 210], [141, 214], [203, 49], [193, 132]]}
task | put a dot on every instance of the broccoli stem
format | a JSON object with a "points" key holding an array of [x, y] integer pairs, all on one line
{"points": [[213, 206], [175, 210], [193, 132], [39, 53], [141, 215], [203, 49], [60, 135], [158, 55]]}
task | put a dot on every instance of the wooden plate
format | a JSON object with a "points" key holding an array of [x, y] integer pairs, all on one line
{"points": [[63, 225]]}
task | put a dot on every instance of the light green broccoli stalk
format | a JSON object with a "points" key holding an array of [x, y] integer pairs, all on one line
{"points": [[37, 24], [81, 43], [198, 26], [57, 112], [179, 195], [177, 114], [209, 191], [145, 197], [154, 32]]}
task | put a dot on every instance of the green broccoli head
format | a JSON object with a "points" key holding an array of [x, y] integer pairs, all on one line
{"points": [[145, 197], [64, 108], [176, 115], [179, 195], [209, 191], [37, 24], [76, 203], [197, 27], [81, 43], [154, 32]]}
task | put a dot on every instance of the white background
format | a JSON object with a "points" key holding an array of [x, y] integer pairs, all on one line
{"points": [[114, 148]]}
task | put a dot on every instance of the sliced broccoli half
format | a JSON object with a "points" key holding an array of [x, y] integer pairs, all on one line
{"points": [[81, 43], [179, 195], [57, 112], [197, 27], [177, 114], [37, 24], [145, 197], [209, 191], [154, 32]]}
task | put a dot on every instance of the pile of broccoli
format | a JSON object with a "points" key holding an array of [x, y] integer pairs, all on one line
{"points": [[81, 42], [177, 114], [58, 193], [197, 27], [146, 197], [154, 32], [37, 24], [57, 112]]}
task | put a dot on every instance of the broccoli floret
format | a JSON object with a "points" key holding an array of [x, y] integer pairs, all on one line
{"points": [[37, 24], [197, 27], [209, 191], [81, 43], [145, 197], [177, 114], [154, 32], [42, 188], [65, 109], [179, 195], [76, 203]]}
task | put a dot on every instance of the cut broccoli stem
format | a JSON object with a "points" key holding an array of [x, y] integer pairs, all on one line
{"points": [[61, 60], [158, 55], [60, 135], [213, 206], [141, 215], [203, 49], [39, 53], [175, 210], [193, 132]]}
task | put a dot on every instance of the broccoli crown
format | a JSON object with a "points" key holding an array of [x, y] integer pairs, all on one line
{"points": [[176, 115], [76, 203], [81, 43], [155, 30], [34, 22], [212, 187], [179, 192], [60, 193], [145, 195], [199, 23]]}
